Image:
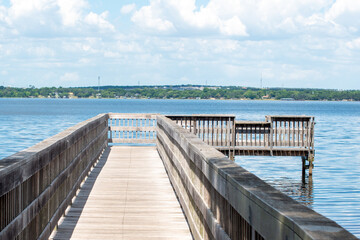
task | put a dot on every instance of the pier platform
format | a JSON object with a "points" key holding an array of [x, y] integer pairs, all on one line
{"points": [[127, 195], [151, 176]]}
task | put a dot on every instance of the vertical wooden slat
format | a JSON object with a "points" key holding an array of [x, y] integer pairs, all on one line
{"points": [[308, 137], [276, 135], [221, 137], [302, 134], [280, 133], [251, 135], [210, 132], [242, 135], [217, 133], [254, 134], [294, 132], [289, 133]]}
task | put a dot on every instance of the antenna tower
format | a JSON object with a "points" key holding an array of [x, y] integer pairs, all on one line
{"points": [[98, 83]]}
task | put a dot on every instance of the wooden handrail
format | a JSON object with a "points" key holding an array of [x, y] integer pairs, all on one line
{"points": [[38, 183], [221, 200], [132, 128]]}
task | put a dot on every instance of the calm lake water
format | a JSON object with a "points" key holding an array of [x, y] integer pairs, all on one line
{"points": [[334, 189]]}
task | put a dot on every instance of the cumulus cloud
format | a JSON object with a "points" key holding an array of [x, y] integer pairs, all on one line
{"points": [[99, 21], [246, 18], [70, 77], [40, 51], [43, 18], [221, 40], [179, 16], [354, 44], [344, 14], [151, 17], [126, 9]]}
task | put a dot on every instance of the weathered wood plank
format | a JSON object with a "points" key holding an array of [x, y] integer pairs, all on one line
{"points": [[127, 196], [131, 140], [132, 128], [222, 200]]}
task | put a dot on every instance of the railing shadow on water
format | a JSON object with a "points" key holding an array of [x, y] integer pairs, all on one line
{"points": [[70, 218]]}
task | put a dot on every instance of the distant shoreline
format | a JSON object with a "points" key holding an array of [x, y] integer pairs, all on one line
{"points": [[196, 92], [190, 99]]}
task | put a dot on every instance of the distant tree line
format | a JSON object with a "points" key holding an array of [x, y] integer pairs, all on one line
{"points": [[181, 92]]}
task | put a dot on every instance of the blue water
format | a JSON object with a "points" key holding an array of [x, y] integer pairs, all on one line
{"points": [[334, 189]]}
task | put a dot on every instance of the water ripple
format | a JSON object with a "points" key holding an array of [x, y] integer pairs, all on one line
{"points": [[334, 189]]}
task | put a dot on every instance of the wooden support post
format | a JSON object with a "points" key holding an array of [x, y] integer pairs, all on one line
{"points": [[271, 136], [303, 159], [232, 155], [233, 141], [311, 165]]}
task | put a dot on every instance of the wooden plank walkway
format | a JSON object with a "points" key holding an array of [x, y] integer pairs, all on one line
{"points": [[127, 196]]}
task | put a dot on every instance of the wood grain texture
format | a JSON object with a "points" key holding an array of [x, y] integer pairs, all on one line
{"points": [[126, 196]]}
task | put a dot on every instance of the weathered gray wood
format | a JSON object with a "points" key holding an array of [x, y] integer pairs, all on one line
{"points": [[49, 181], [126, 196], [132, 128], [132, 140], [228, 190], [132, 115], [39, 178]]}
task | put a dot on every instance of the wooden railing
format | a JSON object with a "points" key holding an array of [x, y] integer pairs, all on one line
{"points": [[287, 135], [215, 130], [292, 131], [253, 134], [221, 200], [132, 128], [38, 183]]}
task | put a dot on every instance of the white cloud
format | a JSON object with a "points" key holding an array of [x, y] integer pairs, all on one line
{"points": [[40, 51], [70, 77], [242, 18], [44, 18], [233, 27], [232, 71], [126, 9], [71, 11], [224, 41], [344, 11], [354, 44], [148, 17], [181, 16], [130, 46], [99, 21]]}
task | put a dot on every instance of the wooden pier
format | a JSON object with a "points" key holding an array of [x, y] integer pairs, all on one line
{"points": [[276, 136], [177, 185], [126, 196]]}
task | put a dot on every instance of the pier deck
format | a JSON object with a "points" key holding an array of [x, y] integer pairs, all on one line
{"points": [[127, 195], [74, 186]]}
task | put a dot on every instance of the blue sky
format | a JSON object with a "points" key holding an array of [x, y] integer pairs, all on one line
{"points": [[290, 43]]}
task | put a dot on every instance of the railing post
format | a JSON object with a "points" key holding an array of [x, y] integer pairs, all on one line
{"points": [[109, 130], [311, 165], [233, 140], [271, 134]]}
